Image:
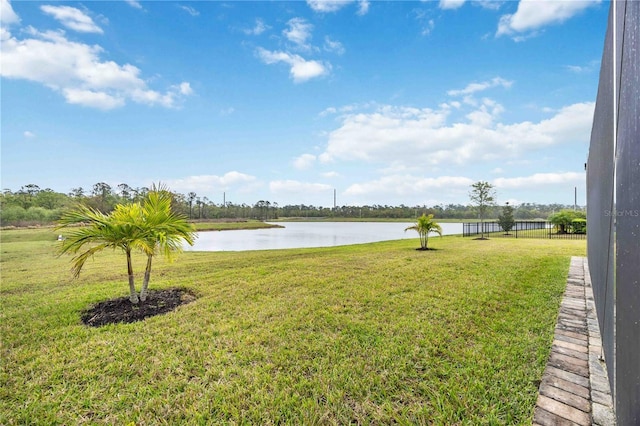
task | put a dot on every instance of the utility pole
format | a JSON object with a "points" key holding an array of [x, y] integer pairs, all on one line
{"points": [[334, 198]]}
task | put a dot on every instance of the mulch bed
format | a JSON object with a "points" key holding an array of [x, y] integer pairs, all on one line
{"points": [[122, 310]]}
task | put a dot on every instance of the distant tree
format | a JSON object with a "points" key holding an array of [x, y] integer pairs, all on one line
{"points": [[482, 196], [191, 198], [261, 206], [199, 204], [564, 219], [25, 196], [424, 226], [101, 189], [49, 199], [77, 192], [205, 203], [103, 199], [140, 193], [126, 192], [267, 204], [31, 189], [506, 220]]}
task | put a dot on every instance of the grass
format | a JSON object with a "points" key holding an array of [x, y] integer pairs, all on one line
{"points": [[534, 233], [366, 334]]}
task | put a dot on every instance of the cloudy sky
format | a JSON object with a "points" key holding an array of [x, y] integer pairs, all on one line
{"points": [[385, 102]]}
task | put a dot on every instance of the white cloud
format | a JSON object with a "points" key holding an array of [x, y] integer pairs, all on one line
{"points": [[426, 23], [532, 15], [427, 27], [298, 32], [333, 46], [77, 71], [328, 6], [408, 185], [301, 69], [134, 3], [90, 98], [331, 174], [7, 15], [417, 138], [29, 135], [540, 179], [363, 7], [575, 68], [72, 18], [579, 69], [344, 109], [258, 28], [450, 4], [478, 87], [296, 187], [490, 4], [304, 162], [183, 88], [324, 6], [190, 10], [212, 183]]}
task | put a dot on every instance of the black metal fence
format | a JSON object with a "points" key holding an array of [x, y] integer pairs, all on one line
{"points": [[521, 229]]}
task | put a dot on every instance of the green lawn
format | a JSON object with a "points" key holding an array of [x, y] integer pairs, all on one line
{"points": [[366, 334]]}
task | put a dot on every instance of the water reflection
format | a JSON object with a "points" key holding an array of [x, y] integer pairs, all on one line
{"points": [[310, 234]]}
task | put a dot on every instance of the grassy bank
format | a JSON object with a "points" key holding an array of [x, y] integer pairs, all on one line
{"points": [[371, 334]]}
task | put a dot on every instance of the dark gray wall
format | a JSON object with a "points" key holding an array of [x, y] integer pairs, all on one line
{"points": [[614, 215], [628, 225]]}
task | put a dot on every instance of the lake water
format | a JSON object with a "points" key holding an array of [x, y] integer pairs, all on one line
{"points": [[310, 234]]}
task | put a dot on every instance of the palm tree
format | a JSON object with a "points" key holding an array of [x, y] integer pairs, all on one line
{"points": [[151, 227], [424, 226], [165, 230], [118, 230]]}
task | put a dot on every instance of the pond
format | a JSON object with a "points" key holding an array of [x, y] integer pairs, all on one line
{"points": [[310, 234]]}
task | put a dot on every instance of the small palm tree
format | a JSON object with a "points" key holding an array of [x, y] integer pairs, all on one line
{"points": [[424, 226], [165, 230], [118, 230], [151, 227]]}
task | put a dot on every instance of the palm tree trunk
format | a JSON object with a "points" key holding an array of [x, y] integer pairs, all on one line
{"points": [[145, 281], [133, 296]]}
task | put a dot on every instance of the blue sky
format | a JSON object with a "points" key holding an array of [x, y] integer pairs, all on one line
{"points": [[385, 102]]}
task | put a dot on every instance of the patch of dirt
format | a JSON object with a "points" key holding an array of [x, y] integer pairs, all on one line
{"points": [[122, 310]]}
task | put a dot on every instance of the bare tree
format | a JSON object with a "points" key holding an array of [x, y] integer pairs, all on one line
{"points": [[482, 196]]}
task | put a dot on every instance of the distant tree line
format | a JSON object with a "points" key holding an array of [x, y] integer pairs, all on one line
{"points": [[31, 205]]}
